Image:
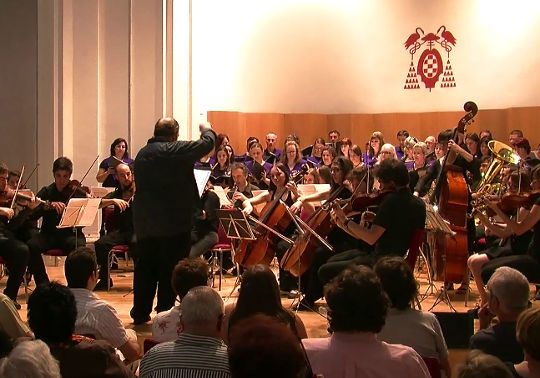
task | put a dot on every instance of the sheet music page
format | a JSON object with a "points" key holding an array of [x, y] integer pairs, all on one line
{"points": [[307, 189], [99, 191], [223, 199], [201, 177], [80, 212]]}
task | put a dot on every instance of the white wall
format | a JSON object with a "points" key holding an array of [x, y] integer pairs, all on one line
{"points": [[345, 56]]}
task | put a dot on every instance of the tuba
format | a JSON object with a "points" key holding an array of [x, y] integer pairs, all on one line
{"points": [[502, 154]]}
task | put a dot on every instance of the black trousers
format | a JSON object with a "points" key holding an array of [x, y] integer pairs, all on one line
{"points": [[153, 269], [104, 244], [15, 253], [39, 243], [526, 264]]}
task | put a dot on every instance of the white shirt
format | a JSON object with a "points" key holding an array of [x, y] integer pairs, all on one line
{"points": [[166, 325], [98, 318]]}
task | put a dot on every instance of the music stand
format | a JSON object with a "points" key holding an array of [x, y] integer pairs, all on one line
{"points": [[79, 212], [236, 226]]}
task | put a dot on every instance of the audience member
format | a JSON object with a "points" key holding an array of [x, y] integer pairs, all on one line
{"points": [[10, 320], [357, 312], [507, 297], [52, 312], [187, 274], [95, 316], [199, 351], [262, 346], [404, 325], [259, 294], [481, 365], [30, 359], [528, 336]]}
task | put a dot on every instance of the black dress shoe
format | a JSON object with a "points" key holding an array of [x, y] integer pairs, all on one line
{"points": [[142, 320]]}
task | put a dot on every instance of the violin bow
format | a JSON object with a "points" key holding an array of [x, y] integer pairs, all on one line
{"points": [[86, 174], [17, 188], [30, 175]]}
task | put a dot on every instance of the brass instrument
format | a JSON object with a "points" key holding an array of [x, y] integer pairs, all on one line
{"points": [[502, 154]]}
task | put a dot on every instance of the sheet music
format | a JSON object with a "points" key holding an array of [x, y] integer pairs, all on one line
{"points": [[307, 189], [100, 191], [223, 199], [201, 177], [435, 222], [80, 212]]}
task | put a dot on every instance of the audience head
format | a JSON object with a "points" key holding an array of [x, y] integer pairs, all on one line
{"points": [[291, 152], [333, 135], [52, 313], [508, 291], [514, 137], [259, 293], [430, 141], [222, 140], [402, 135], [167, 128], [388, 151], [375, 142], [356, 301], [271, 139], [263, 347], [202, 312], [397, 280], [481, 365], [523, 147], [189, 273], [30, 359], [80, 266], [485, 134], [528, 333], [328, 155]]}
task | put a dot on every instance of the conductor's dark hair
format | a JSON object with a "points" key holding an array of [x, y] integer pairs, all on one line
{"points": [[116, 142], [397, 280], [356, 300], [62, 164], [166, 127], [52, 313], [393, 170], [79, 266], [189, 273]]}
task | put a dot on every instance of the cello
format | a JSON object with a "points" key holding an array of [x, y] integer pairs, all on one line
{"points": [[274, 216], [452, 205]]}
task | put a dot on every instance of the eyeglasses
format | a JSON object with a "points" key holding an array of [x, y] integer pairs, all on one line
{"points": [[386, 153]]}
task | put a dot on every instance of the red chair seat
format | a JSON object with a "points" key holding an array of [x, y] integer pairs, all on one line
{"points": [[120, 248], [55, 252], [222, 246]]}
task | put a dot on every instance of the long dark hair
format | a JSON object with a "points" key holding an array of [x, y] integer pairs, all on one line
{"points": [[272, 187], [116, 142], [259, 294]]}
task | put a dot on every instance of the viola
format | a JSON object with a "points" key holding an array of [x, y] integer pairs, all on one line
{"points": [[22, 197], [74, 187], [365, 201]]}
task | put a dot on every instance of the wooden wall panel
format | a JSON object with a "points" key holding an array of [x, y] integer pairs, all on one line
{"points": [[359, 127]]}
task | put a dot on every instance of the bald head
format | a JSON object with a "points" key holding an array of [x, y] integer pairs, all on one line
{"points": [[167, 127]]}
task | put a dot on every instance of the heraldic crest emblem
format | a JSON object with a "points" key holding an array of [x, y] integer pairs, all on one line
{"points": [[430, 64]]}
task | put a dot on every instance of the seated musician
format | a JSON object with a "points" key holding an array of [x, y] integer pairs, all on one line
{"points": [[280, 185], [57, 194], [389, 231], [204, 234], [14, 252], [337, 238], [242, 189], [121, 232], [508, 244]]}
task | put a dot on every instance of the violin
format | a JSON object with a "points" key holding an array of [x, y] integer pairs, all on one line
{"points": [[75, 187], [513, 201], [22, 197]]}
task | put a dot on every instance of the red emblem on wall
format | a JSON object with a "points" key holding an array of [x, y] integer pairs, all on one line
{"points": [[430, 64]]}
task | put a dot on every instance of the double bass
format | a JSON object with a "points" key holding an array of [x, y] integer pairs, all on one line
{"points": [[275, 216], [452, 205]]}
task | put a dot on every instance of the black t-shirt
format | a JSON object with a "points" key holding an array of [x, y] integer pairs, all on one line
{"points": [[400, 213], [499, 341], [209, 203], [51, 218], [123, 221], [248, 192]]}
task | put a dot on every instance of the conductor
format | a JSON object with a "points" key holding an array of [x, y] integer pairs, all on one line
{"points": [[165, 199]]}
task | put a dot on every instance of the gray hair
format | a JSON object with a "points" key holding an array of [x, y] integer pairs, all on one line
{"points": [[410, 142], [201, 305], [422, 146], [30, 359], [511, 287], [390, 147]]}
